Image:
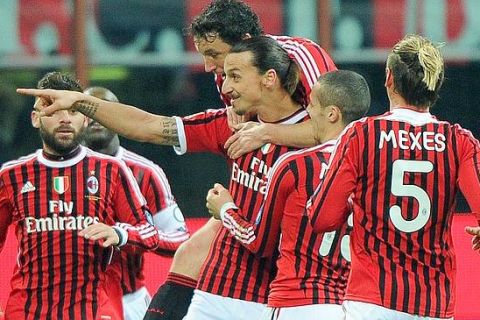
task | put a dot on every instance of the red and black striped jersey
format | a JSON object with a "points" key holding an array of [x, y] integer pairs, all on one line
{"points": [[167, 217], [312, 268], [402, 171], [312, 60], [59, 274], [231, 270]]}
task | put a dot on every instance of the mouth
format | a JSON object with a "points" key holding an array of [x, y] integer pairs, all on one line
{"points": [[65, 131]]}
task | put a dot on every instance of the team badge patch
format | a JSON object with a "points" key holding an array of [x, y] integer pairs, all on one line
{"points": [[92, 185], [61, 184], [267, 148]]}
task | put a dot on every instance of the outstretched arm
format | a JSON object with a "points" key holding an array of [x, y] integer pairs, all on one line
{"points": [[126, 120]]}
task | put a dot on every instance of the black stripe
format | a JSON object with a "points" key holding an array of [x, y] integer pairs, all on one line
{"points": [[375, 215], [80, 182], [364, 182], [215, 254], [131, 262], [156, 192], [38, 243], [99, 263], [273, 208], [75, 240], [408, 236], [431, 226], [390, 250], [126, 187], [228, 240], [51, 255], [27, 249], [63, 265]]}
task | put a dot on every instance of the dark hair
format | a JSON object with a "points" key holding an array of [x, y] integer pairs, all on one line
{"points": [[231, 20], [59, 81], [418, 70], [347, 90], [269, 54]]}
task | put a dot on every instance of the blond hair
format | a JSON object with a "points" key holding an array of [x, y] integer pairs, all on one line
{"points": [[429, 57], [418, 70]]}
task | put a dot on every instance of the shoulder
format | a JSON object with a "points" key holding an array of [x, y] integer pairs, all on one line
{"points": [[205, 116], [9, 165], [295, 41], [465, 134], [133, 159]]}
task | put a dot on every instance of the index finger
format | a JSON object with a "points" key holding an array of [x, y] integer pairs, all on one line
{"points": [[35, 92]]}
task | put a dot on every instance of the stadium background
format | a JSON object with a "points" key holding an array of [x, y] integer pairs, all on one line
{"points": [[138, 50]]}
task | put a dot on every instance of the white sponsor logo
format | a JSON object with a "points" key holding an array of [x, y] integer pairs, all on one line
{"points": [[27, 187], [56, 223], [255, 179]]}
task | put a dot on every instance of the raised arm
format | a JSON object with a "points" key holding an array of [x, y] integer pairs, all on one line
{"points": [[126, 120]]}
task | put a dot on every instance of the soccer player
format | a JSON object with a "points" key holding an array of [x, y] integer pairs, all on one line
{"points": [[215, 30], [260, 77], [64, 200], [220, 26], [401, 171], [312, 269], [166, 214]]}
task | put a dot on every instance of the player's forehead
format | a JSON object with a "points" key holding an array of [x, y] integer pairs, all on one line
{"points": [[241, 61], [211, 44]]}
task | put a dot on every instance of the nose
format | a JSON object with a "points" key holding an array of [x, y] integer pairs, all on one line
{"points": [[209, 64], [64, 116], [226, 87]]}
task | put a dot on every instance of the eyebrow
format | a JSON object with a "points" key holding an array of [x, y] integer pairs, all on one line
{"points": [[232, 70]]}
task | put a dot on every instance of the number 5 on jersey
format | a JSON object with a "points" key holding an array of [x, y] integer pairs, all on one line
{"points": [[400, 189]]}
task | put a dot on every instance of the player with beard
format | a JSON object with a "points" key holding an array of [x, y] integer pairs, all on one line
{"points": [[64, 201], [221, 25], [167, 216], [260, 78]]}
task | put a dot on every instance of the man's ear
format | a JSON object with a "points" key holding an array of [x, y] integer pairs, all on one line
{"points": [[35, 119], [388, 78], [334, 114], [269, 78]]}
